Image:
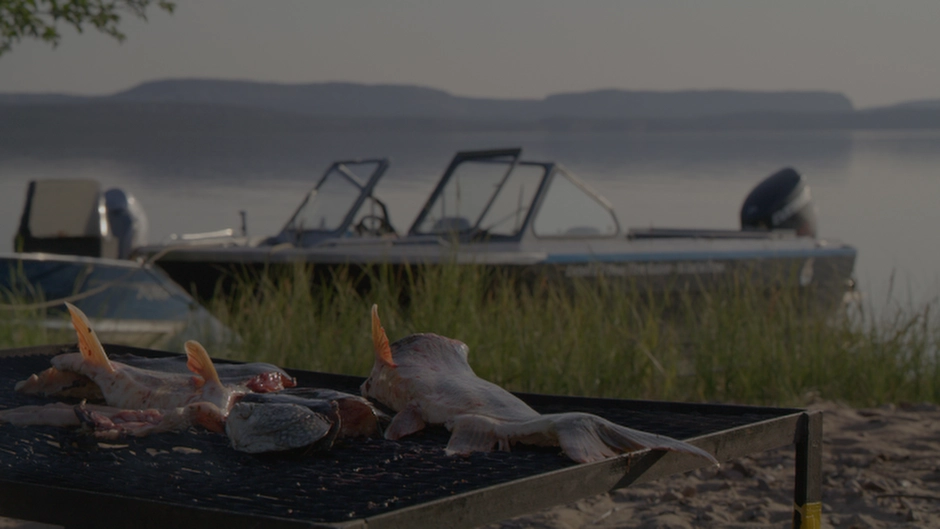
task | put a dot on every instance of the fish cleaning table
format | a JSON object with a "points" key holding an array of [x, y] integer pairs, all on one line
{"points": [[194, 479]]}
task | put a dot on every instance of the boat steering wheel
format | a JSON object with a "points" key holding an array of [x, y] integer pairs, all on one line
{"points": [[374, 225]]}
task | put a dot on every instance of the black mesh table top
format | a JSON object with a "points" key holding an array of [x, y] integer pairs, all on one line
{"points": [[195, 473]]}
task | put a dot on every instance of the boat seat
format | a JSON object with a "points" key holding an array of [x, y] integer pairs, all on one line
{"points": [[450, 224], [581, 231]]}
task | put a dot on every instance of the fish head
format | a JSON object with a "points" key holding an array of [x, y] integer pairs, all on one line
{"points": [[256, 427]]}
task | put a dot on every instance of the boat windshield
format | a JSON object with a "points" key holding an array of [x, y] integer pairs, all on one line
{"points": [[490, 195], [571, 209], [327, 207]]}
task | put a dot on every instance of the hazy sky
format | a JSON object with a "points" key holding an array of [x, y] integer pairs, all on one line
{"points": [[876, 52]]}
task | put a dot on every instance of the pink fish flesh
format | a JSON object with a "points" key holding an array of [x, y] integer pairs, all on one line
{"points": [[106, 422]]}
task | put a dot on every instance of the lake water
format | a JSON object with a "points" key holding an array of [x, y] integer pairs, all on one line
{"points": [[876, 191]]}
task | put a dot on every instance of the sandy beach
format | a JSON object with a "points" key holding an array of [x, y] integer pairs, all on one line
{"points": [[881, 469]]}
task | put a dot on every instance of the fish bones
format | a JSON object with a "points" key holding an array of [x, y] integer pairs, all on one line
{"points": [[427, 379]]}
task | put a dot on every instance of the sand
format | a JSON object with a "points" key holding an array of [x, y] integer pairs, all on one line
{"points": [[881, 468]]}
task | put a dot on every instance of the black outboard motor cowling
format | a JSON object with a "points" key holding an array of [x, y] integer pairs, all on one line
{"points": [[781, 201], [127, 220]]}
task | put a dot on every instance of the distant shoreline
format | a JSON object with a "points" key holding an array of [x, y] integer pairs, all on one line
{"points": [[47, 121]]}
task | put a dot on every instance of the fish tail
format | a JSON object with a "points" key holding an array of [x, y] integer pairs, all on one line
{"points": [[198, 362], [585, 437], [383, 352], [88, 343]]}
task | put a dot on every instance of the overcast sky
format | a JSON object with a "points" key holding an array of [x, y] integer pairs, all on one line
{"points": [[876, 52]]}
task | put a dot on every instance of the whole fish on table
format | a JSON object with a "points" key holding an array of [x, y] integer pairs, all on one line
{"points": [[427, 379]]}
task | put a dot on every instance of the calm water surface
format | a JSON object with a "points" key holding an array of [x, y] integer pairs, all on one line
{"points": [[876, 191]]}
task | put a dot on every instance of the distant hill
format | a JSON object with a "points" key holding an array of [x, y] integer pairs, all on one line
{"points": [[227, 108], [402, 101], [621, 104], [39, 99], [913, 105]]}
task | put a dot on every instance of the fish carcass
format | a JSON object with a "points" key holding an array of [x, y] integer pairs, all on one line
{"points": [[427, 379]]}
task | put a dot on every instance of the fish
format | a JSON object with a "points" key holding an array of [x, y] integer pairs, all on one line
{"points": [[427, 379], [257, 377], [128, 387]]}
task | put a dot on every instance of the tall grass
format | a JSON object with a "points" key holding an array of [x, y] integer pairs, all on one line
{"points": [[21, 313], [600, 337]]}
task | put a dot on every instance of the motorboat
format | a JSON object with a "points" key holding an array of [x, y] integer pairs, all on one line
{"points": [[72, 245], [341, 204], [493, 209]]}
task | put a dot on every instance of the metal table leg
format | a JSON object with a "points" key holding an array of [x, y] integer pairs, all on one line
{"points": [[807, 493]]}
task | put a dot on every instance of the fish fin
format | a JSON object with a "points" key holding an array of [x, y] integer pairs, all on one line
{"points": [[474, 433], [405, 422], [198, 362], [88, 343], [585, 438], [383, 353]]}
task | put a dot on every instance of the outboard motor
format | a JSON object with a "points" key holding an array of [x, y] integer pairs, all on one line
{"points": [[781, 201], [65, 216], [127, 220]]}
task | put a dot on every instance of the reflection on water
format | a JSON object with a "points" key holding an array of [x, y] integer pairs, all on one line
{"points": [[874, 190]]}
